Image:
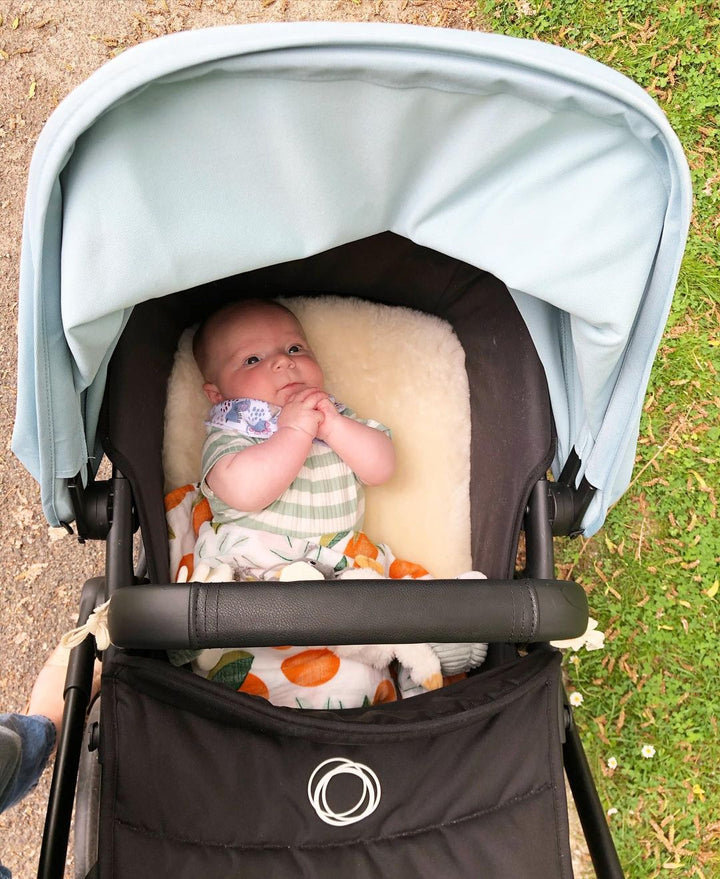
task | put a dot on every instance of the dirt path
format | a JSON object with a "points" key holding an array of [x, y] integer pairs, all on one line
{"points": [[46, 49]]}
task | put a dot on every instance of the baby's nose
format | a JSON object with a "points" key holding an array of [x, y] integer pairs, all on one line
{"points": [[283, 361]]}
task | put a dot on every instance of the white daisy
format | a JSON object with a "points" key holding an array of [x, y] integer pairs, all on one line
{"points": [[648, 751]]}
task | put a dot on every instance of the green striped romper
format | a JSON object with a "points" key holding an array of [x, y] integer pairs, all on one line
{"points": [[324, 498]]}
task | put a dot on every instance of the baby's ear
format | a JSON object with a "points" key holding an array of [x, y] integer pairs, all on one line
{"points": [[212, 393]]}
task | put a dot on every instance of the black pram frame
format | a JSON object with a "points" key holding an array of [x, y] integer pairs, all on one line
{"points": [[511, 449]]}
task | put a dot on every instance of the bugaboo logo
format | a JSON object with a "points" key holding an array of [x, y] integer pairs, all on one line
{"points": [[318, 791]]}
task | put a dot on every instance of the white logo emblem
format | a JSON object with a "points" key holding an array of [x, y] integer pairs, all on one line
{"points": [[318, 787]]}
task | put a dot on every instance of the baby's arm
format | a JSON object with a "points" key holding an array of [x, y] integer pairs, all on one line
{"points": [[252, 479], [368, 452]]}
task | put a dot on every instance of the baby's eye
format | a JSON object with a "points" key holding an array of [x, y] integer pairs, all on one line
{"points": [[295, 349], [252, 360]]}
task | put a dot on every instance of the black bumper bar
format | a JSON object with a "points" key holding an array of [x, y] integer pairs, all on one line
{"points": [[256, 614]]}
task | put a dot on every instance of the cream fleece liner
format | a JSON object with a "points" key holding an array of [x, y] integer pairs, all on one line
{"points": [[399, 366]]}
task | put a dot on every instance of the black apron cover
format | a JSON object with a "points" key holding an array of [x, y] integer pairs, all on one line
{"points": [[199, 781]]}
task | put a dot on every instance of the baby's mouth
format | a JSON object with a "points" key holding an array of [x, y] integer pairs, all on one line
{"points": [[292, 386]]}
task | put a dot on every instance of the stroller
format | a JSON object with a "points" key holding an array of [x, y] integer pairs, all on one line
{"points": [[534, 200]]}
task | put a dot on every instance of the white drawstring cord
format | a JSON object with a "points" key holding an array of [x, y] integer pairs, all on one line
{"points": [[96, 625], [97, 622]]}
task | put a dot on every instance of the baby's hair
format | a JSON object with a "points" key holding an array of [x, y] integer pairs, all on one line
{"points": [[203, 335]]}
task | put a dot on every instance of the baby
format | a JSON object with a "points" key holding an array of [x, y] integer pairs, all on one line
{"points": [[283, 469], [272, 474]]}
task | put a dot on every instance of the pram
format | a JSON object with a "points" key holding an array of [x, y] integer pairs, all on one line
{"points": [[536, 201]]}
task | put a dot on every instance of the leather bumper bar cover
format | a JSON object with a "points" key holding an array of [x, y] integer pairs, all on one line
{"points": [[255, 614]]}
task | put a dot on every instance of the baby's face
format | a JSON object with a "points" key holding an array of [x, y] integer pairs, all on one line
{"points": [[264, 356]]}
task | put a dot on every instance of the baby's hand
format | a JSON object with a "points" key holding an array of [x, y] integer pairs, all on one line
{"points": [[301, 412], [330, 415]]}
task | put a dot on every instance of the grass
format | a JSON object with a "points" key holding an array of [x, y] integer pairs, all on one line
{"points": [[652, 572]]}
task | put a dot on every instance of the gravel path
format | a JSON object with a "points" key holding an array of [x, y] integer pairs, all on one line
{"points": [[46, 49]]}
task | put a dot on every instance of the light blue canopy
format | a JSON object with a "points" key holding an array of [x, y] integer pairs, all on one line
{"points": [[209, 153]]}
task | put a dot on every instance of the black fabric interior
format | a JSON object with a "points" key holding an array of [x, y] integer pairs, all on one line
{"points": [[512, 429]]}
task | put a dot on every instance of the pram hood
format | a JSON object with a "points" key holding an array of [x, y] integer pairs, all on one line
{"points": [[209, 153]]}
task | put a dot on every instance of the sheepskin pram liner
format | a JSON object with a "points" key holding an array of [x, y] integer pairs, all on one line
{"points": [[198, 781]]}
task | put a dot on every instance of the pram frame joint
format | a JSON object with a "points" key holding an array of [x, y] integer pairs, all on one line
{"points": [[568, 502], [92, 506]]}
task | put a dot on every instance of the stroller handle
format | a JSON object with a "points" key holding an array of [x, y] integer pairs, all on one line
{"points": [[306, 613]]}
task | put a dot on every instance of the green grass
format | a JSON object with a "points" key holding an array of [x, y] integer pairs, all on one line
{"points": [[651, 573]]}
